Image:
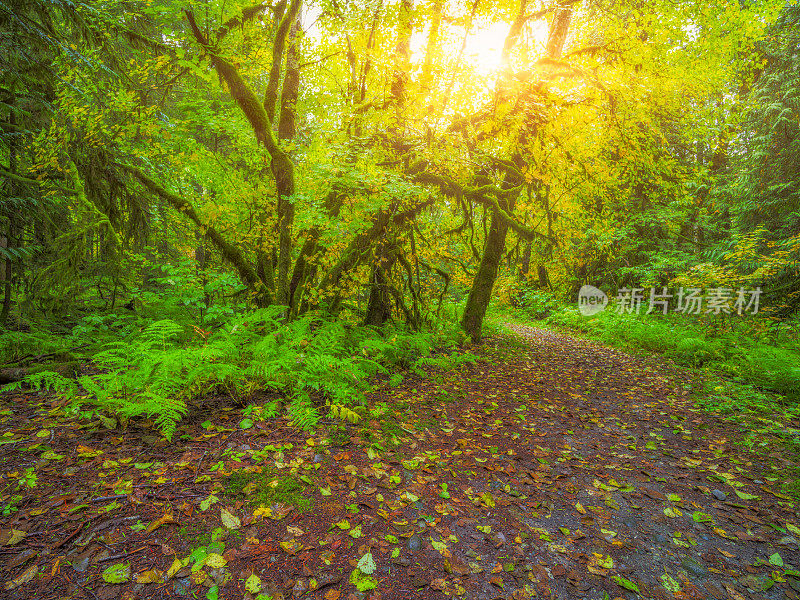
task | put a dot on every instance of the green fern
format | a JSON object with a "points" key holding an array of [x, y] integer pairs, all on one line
{"points": [[48, 381], [338, 411], [156, 372], [303, 414]]}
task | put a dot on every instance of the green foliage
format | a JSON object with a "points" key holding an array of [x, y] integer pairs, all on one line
{"points": [[772, 368], [536, 303], [48, 381], [445, 362], [15, 345], [313, 361]]}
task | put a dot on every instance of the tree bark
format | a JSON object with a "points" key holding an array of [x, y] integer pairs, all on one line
{"points": [[379, 305], [11, 188], [287, 126], [481, 291]]}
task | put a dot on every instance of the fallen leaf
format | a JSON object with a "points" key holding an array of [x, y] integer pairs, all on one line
{"points": [[167, 518], [745, 496], [733, 593], [367, 564], [119, 573], [215, 561], [15, 536], [229, 520], [253, 584], [628, 585], [26, 576], [150, 576], [776, 560], [292, 546], [439, 584]]}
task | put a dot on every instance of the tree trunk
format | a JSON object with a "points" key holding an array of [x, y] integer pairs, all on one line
{"points": [[379, 305], [481, 291], [526, 262], [6, 279], [284, 170], [544, 279], [11, 189]]}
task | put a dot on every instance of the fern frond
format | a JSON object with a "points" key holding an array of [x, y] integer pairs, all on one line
{"points": [[338, 411]]}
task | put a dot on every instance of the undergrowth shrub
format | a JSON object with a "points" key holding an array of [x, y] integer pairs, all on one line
{"points": [[155, 373], [15, 345], [535, 303], [773, 368]]}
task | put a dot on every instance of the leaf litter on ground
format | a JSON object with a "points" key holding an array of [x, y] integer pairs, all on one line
{"points": [[553, 468]]}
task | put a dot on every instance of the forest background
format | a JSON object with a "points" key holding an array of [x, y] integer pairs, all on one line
{"points": [[298, 197]]}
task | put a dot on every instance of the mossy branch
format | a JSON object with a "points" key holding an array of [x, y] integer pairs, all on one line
{"points": [[245, 98], [271, 94], [229, 252]]}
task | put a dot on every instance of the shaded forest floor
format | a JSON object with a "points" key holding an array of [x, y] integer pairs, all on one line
{"points": [[552, 468]]}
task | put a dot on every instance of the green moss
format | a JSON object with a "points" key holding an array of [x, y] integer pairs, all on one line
{"points": [[267, 488]]}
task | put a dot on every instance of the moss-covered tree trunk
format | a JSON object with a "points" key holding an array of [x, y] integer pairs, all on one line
{"points": [[379, 305], [481, 291]]}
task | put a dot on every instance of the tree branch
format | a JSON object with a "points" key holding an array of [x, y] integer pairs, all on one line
{"points": [[271, 94], [230, 252]]}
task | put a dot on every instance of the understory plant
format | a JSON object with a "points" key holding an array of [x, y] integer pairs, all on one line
{"points": [[321, 365]]}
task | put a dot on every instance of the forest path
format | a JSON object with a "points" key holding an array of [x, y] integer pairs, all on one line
{"points": [[553, 467]]}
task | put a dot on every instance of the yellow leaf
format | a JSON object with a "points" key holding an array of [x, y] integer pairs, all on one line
{"points": [[176, 566], [229, 520], [29, 574], [168, 518], [151, 576], [215, 561], [16, 537]]}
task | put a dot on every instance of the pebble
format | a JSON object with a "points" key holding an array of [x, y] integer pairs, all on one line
{"points": [[719, 495], [318, 458], [694, 567], [660, 538], [414, 543]]}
